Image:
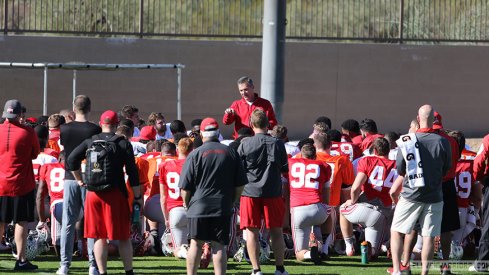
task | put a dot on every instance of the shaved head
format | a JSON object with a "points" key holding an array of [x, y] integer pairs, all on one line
{"points": [[426, 116]]}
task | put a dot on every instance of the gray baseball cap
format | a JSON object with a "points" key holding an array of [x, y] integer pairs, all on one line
{"points": [[12, 109]]}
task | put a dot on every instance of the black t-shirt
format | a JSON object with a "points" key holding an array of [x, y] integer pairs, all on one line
{"points": [[125, 158], [73, 134], [264, 159], [211, 174]]}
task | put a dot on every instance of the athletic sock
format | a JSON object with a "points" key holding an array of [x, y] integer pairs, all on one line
{"points": [[280, 268], [349, 243], [307, 255], [256, 270]]}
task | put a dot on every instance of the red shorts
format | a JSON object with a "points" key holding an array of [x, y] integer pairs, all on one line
{"points": [[252, 210], [107, 215]]}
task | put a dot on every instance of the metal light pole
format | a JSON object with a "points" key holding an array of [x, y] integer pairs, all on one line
{"points": [[273, 54]]}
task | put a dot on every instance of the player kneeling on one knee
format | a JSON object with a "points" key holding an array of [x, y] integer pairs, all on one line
{"points": [[308, 180], [370, 203]]}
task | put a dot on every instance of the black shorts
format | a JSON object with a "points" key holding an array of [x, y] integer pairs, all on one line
{"points": [[210, 229], [450, 220], [18, 209]]}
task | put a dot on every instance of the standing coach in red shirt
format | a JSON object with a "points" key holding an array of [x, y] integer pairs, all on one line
{"points": [[18, 148], [240, 111]]}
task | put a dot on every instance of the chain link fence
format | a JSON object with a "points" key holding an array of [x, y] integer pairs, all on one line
{"points": [[389, 21]]}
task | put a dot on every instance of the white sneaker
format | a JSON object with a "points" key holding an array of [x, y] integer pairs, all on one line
{"points": [[92, 270], [62, 270], [281, 273], [258, 273], [182, 252], [473, 269]]}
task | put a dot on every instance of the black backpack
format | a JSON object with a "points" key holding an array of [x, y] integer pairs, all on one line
{"points": [[101, 168]]}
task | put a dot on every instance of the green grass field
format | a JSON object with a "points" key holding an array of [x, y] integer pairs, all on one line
{"points": [[165, 265]]}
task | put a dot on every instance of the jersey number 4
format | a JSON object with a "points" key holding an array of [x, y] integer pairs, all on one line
{"points": [[304, 175], [376, 178]]}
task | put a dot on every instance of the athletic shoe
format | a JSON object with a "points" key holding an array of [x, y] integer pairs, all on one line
{"points": [[472, 268], [93, 270], [316, 259], [313, 247], [405, 269], [239, 256], [62, 270], [24, 266], [445, 269], [281, 273], [205, 259], [350, 252], [182, 252]]}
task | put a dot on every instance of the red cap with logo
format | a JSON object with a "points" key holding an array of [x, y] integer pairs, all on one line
{"points": [[437, 122], [109, 117], [209, 124], [147, 133]]}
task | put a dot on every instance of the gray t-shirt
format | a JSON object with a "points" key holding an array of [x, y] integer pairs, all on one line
{"points": [[435, 155], [264, 159], [211, 174]]}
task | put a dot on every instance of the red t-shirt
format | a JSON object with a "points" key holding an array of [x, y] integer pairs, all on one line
{"points": [[54, 134], [368, 140], [454, 148], [169, 172], [306, 180], [381, 173], [464, 182], [348, 149], [243, 112], [18, 147], [357, 140], [54, 175]]}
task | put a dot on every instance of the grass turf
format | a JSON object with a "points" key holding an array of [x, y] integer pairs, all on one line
{"points": [[48, 264]]}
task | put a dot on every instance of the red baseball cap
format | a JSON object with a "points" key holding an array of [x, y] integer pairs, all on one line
{"points": [[109, 117], [209, 124], [209, 128], [31, 120], [147, 133], [437, 122]]}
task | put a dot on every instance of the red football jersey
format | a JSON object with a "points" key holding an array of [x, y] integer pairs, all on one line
{"points": [[464, 181], [42, 159], [306, 180], [348, 149], [381, 173], [467, 154], [169, 176], [54, 175]]}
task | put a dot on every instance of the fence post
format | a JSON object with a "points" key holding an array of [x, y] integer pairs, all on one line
{"points": [[141, 19], [5, 17], [401, 23]]}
